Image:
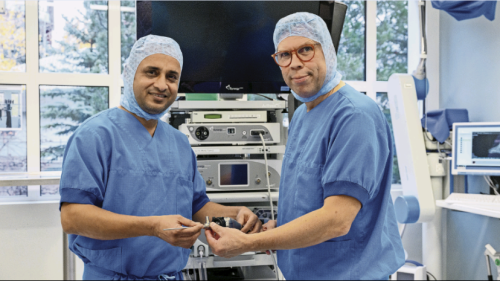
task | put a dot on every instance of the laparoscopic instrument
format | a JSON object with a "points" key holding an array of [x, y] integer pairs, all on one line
{"points": [[222, 221]]}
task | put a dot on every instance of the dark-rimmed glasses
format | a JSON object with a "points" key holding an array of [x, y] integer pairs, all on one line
{"points": [[304, 53]]}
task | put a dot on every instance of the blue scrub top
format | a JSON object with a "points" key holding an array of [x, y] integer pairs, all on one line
{"points": [[341, 147], [111, 161]]}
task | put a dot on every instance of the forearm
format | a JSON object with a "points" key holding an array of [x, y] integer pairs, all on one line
{"points": [[212, 209], [308, 230], [97, 223]]}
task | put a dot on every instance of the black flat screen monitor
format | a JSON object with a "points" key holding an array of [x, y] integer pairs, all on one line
{"points": [[227, 45]]}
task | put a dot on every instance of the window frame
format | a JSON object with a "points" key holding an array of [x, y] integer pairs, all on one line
{"points": [[33, 79]]}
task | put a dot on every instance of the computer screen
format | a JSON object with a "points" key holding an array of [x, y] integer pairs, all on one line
{"points": [[476, 149], [227, 45]]}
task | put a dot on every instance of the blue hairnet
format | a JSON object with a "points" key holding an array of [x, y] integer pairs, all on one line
{"points": [[313, 27], [145, 47]]}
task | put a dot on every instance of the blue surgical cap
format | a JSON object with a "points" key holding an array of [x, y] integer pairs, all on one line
{"points": [[313, 27], [145, 47]]}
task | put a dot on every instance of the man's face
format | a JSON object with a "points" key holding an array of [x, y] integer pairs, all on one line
{"points": [[304, 78], [156, 83]]}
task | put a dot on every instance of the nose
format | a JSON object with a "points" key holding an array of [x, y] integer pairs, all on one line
{"points": [[296, 62], [161, 84]]}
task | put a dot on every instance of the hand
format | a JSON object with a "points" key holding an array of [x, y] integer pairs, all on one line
{"points": [[269, 225], [249, 221], [184, 238], [226, 242]]}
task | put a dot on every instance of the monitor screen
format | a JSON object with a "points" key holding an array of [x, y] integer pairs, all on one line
{"points": [[227, 45], [476, 148], [233, 174]]}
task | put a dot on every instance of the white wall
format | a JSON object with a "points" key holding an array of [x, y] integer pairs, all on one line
{"points": [[31, 242], [470, 78]]}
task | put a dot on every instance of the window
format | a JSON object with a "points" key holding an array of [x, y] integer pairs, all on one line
{"points": [[392, 38], [11, 191], [13, 139], [13, 37], [62, 110], [73, 36], [383, 102], [351, 53], [128, 28], [74, 39], [49, 190]]}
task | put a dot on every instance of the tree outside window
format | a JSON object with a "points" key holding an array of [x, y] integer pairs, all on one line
{"points": [[392, 38], [73, 36], [13, 37], [351, 52]]}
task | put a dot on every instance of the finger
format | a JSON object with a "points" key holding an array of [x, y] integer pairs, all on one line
{"points": [[186, 222], [241, 219], [257, 227], [264, 227], [210, 237], [250, 224], [217, 228], [247, 227]]}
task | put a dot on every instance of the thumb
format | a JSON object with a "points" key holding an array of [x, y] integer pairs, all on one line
{"points": [[216, 228]]}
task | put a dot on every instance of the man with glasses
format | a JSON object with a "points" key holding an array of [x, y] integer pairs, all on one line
{"points": [[336, 216]]}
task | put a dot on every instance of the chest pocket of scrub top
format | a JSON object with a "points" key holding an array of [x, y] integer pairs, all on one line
{"points": [[184, 198], [309, 192]]}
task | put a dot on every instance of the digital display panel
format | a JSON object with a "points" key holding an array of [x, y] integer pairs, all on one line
{"points": [[233, 174], [227, 45], [476, 148], [486, 145]]}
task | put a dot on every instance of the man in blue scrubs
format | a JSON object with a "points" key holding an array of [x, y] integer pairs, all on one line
{"points": [[336, 217], [126, 177]]}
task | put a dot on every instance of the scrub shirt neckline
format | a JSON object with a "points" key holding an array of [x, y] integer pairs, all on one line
{"points": [[324, 101], [135, 128]]}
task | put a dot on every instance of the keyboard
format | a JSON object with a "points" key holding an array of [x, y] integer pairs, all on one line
{"points": [[480, 200]]}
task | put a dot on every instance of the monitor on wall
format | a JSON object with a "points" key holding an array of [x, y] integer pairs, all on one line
{"points": [[227, 45], [476, 149]]}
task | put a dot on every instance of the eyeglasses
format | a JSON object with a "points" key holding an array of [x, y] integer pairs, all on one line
{"points": [[304, 53]]}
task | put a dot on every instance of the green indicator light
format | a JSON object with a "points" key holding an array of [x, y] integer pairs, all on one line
{"points": [[497, 262], [213, 116]]}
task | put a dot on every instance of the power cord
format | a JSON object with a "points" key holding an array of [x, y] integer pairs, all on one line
{"points": [[202, 263], [270, 202], [403, 231], [491, 184], [428, 273]]}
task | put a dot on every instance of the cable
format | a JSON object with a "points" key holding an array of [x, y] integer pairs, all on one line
{"points": [[270, 202], [202, 263], [491, 184], [431, 275], [264, 96], [403, 231], [267, 177], [452, 180]]}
